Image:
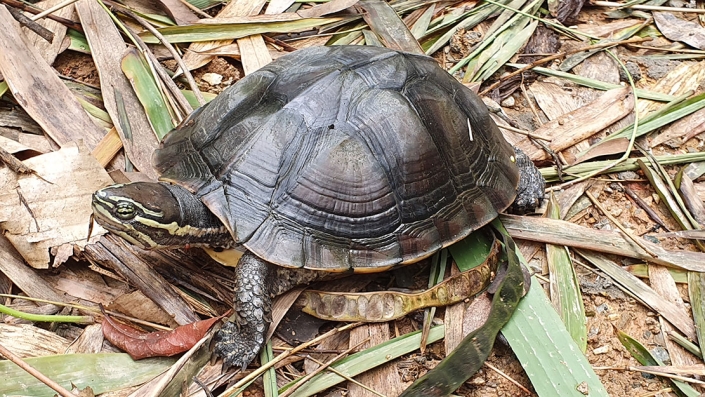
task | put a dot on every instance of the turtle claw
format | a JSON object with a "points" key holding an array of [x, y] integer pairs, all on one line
{"points": [[235, 348]]}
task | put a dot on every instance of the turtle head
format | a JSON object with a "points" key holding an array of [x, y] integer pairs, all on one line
{"points": [[158, 215]]}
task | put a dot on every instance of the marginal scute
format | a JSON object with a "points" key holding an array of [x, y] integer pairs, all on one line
{"points": [[348, 157]]}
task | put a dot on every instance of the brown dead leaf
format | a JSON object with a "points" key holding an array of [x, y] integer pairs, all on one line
{"points": [[384, 379], [559, 232], [137, 304], [49, 50], [108, 49], [663, 284], [327, 8], [582, 123], [178, 11], [139, 344], [24, 277], [677, 29], [690, 197], [193, 59], [279, 6], [37, 88], [38, 212], [685, 128], [679, 80], [565, 10], [90, 341], [604, 148], [577, 125], [85, 392], [385, 22], [607, 29]]}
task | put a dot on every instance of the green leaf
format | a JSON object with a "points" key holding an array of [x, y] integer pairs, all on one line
{"points": [[78, 41], [103, 372], [3, 88], [696, 289], [597, 84], [665, 116], [203, 4], [565, 290], [472, 251], [269, 378], [546, 350], [191, 98], [511, 42], [148, 93], [551, 174]]}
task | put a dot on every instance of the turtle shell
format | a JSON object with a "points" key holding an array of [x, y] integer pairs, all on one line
{"points": [[344, 157]]}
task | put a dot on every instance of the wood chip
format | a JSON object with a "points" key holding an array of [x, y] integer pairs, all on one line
{"points": [[90, 341], [30, 341]]}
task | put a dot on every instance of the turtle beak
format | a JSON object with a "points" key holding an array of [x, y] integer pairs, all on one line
{"points": [[105, 210]]}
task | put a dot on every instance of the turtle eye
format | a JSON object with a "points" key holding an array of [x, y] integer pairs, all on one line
{"points": [[125, 210]]}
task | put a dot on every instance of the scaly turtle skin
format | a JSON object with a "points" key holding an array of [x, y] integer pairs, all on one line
{"points": [[329, 158]]}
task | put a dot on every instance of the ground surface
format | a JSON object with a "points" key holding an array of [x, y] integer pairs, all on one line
{"points": [[607, 307]]}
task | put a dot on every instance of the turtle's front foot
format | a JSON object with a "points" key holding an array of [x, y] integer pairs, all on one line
{"points": [[257, 282], [241, 338], [238, 346]]}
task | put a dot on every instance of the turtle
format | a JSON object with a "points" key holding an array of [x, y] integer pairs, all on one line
{"points": [[328, 160]]}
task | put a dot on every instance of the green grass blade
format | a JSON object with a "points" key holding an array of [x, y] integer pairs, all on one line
{"points": [[660, 118], [514, 41], [421, 26], [103, 372], [208, 32], [643, 356], [592, 83], [191, 98], [432, 42], [269, 379], [551, 174], [203, 4]]}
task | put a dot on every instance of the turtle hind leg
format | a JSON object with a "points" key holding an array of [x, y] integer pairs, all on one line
{"points": [[257, 282]]}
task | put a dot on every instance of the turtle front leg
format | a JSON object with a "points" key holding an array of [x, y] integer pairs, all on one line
{"points": [[257, 282], [530, 192]]}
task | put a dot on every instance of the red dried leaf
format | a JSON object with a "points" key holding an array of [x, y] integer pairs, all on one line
{"points": [[139, 344]]}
